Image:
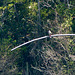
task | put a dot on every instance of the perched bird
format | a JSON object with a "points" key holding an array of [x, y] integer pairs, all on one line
{"points": [[49, 32]]}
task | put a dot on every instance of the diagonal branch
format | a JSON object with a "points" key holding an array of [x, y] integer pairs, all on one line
{"points": [[42, 38]]}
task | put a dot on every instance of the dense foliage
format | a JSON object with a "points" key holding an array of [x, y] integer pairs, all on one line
{"points": [[24, 20]]}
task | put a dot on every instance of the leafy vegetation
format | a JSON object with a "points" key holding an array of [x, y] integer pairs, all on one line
{"points": [[24, 20]]}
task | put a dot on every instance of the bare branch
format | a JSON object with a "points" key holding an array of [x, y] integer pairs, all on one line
{"points": [[42, 38]]}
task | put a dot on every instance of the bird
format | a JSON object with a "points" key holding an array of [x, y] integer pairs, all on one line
{"points": [[49, 32]]}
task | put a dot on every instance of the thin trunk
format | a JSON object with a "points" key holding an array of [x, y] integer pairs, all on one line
{"points": [[39, 18], [39, 23], [68, 3], [27, 72], [56, 16]]}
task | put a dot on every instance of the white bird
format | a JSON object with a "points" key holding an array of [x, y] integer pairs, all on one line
{"points": [[49, 32]]}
